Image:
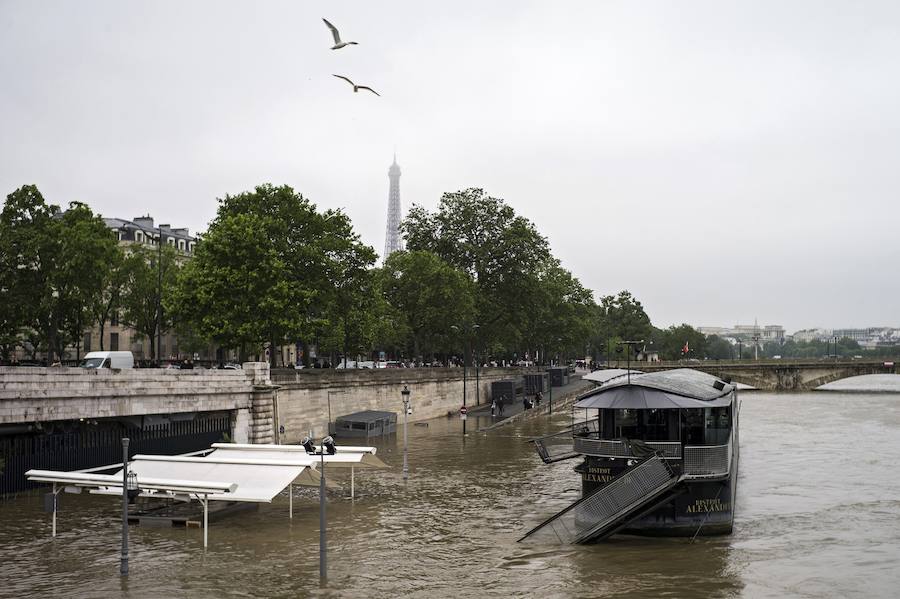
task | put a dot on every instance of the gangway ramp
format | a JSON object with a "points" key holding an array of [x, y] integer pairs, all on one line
{"points": [[560, 446], [639, 490]]}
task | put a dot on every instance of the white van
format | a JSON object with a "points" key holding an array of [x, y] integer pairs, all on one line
{"points": [[108, 359]]}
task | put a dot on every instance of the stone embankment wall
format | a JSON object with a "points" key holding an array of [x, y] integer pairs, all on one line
{"points": [[261, 403], [46, 394], [305, 399]]}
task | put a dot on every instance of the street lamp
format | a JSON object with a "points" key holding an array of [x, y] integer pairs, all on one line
{"points": [[467, 331], [405, 394], [329, 447], [123, 565]]}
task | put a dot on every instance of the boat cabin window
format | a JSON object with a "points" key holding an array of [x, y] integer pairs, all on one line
{"points": [[706, 426], [647, 425]]}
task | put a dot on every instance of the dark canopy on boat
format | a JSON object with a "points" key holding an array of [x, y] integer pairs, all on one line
{"points": [[682, 388]]}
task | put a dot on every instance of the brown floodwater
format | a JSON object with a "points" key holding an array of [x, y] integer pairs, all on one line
{"points": [[818, 515]]}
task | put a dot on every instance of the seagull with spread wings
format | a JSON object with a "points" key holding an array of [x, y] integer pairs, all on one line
{"points": [[356, 88], [338, 44]]}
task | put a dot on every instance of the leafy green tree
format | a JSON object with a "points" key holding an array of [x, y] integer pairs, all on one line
{"points": [[562, 316], [676, 338], [108, 300], [236, 290], [623, 316], [150, 275], [56, 264], [501, 252], [719, 349], [273, 269], [431, 296]]}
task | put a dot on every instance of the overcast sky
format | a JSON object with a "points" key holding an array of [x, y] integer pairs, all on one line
{"points": [[723, 161]]}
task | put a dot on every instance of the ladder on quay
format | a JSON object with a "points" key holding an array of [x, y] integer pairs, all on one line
{"points": [[638, 491]]}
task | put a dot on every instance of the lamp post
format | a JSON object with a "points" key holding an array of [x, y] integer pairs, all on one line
{"points": [[630, 345], [123, 566], [405, 394], [835, 348], [467, 331], [740, 350], [159, 242], [329, 446]]}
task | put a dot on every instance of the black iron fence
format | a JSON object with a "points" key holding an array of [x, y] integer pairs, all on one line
{"points": [[99, 443]]}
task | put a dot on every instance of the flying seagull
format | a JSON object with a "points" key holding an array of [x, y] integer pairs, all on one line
{"points": [[338, 44], [356, 88]]}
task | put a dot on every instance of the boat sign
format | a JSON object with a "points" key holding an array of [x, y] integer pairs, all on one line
{"points": [[462, 413], [889, 364]]}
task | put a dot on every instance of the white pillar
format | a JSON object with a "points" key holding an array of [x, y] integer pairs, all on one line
{"points": [[291, 500], [352, 483]]}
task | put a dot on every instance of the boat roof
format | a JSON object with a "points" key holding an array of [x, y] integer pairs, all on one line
{"points": [[366, 416], [679, 388]]}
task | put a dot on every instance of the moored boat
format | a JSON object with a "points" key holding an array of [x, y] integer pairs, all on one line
{"points": [[659, 456]]}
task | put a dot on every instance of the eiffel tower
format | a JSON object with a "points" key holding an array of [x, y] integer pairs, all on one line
{"points": [[392, 240]]}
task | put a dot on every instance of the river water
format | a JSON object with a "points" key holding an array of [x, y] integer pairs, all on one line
{"points": [[818, 515]]}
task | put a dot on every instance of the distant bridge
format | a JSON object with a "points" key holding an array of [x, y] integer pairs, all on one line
{"points": [[778, 375]]}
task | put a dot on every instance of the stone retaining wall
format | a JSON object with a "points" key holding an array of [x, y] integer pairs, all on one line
{"points": [[306, 398]]}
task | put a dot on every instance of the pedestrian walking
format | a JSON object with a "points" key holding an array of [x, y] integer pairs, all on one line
{"points": [[500, 406], [538, 398], [493, 406]]}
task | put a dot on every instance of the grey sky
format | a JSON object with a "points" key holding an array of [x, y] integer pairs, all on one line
{"points": [[721, 160]]}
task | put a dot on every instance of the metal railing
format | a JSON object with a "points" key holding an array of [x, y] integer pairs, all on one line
{"points": [[594, 514], [607, 448], [707, 461]]}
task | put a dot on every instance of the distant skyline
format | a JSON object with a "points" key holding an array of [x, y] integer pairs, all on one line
{"points": [[722, 161]]}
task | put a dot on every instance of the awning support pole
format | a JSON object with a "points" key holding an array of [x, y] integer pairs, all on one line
{"points": [[205, 502], [352, 483], [54, 510], [291, 499]]}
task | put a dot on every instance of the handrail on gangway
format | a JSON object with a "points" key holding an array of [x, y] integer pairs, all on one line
{"points": [[599, 514]]}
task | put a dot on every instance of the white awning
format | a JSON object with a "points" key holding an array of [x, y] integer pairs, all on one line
{"points": [[257, 481], [88, 480], [359, 457]]}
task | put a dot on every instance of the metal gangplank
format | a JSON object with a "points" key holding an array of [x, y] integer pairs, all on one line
{"points": [[639, 490], [560, 446]]}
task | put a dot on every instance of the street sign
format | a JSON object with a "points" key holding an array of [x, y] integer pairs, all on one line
{"points": [[462, 413]]}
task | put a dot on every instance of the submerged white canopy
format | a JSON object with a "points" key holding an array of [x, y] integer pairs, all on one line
{"points": [[258, 481], [348, 457]]}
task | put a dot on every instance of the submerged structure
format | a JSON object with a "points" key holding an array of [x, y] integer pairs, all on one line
{"points": [[659, 456]]}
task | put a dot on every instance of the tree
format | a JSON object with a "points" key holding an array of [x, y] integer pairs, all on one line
{"points": [[430, 296], [55, 264], [719, 349], [150, 276], [676, 338], [623, 316], [272, 268], [236, 290], [501, 252], [562, 316], [108, 300]]}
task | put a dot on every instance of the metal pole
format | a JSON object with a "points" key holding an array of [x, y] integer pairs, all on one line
{"points": [[550, 380], [291, 500], [54, 510], [205, 520], [465, 366], [323, 548], [123, 567], [159, 297], [477, 390], [352, 483], [405, 437]]}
